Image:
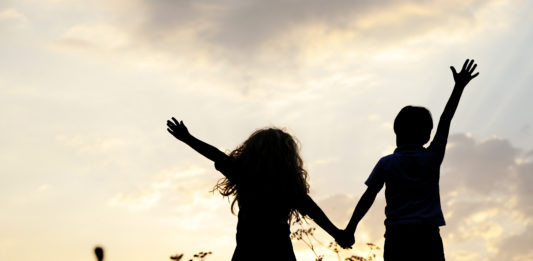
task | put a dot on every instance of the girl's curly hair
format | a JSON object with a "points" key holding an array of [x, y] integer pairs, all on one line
{"points": [[270, 171]]}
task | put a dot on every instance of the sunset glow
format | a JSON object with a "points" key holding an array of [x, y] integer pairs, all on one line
{"points": [[87, 86]]}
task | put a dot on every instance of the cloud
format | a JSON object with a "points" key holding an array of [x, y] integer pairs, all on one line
{"points": [[13, 15], [11, 20], [142, 200], [247, 25], [260, 48], [92, 145], [261, 38], [516, 247], [98, 36], [484, 198], [524, 180], [482, 167], [280, 35], [179, 198], [173, 187]]}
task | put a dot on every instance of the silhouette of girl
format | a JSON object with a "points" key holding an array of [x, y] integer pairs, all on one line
{"points": [[265, 176]]}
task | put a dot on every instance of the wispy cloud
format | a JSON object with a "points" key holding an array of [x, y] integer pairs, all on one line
{"points": [[99, 36], [12, 15], [175, 187]]}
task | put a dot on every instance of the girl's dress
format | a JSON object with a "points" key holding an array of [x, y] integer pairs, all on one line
{"points": [[263, 230]]}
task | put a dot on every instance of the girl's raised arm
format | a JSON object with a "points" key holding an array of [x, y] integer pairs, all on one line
{"points": [[180, 132]]}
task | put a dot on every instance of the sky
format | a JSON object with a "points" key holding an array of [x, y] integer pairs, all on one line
{"points": [[87, 86]]}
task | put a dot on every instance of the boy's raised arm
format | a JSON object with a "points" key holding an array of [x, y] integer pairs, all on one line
{"points": [[461, 80], [180, 132]]}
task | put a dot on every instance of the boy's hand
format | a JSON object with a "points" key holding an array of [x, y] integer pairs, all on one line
{"points": [[178, 129], [345, 239], [465, 75]]}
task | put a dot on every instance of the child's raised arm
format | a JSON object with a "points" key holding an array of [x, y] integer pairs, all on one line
{"points": [[180, 132], [461, 80]]}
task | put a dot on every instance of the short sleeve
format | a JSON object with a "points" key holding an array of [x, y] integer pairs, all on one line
{"points": [[438, 147], [227, 166], [377, 177]]}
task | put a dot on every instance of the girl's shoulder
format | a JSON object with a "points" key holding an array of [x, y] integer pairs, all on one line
{"points": [[229, 167]]}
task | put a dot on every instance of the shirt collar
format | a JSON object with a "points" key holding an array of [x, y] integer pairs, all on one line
{"points": [[409, 147]]}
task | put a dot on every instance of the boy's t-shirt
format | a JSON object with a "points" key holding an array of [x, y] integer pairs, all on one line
{"points": [[411, 179]]}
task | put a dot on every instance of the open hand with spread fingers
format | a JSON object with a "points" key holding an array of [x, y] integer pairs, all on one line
{"points": [[178, 129], [465, 75]]}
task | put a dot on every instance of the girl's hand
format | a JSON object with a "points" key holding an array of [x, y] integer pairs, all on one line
{"points": [[178, 129], [465, 75]]}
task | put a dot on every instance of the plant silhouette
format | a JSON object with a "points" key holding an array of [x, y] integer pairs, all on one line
{"points": [[305, 234], [200, 256]]}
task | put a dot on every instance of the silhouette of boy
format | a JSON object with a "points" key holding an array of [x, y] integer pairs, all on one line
{"points": [[411, 175]]}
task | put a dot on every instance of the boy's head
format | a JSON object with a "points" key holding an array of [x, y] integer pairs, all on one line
{"points": [[413, 125]]}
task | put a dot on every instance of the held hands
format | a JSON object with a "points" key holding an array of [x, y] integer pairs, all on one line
{"points": [[345, 239], [178, 129], [465, 75]]}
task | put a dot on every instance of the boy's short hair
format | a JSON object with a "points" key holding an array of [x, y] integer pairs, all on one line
{"points": [[413, 125]]}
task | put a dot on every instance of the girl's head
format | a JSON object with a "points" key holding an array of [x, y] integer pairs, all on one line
{"points": [[270, 169]]}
